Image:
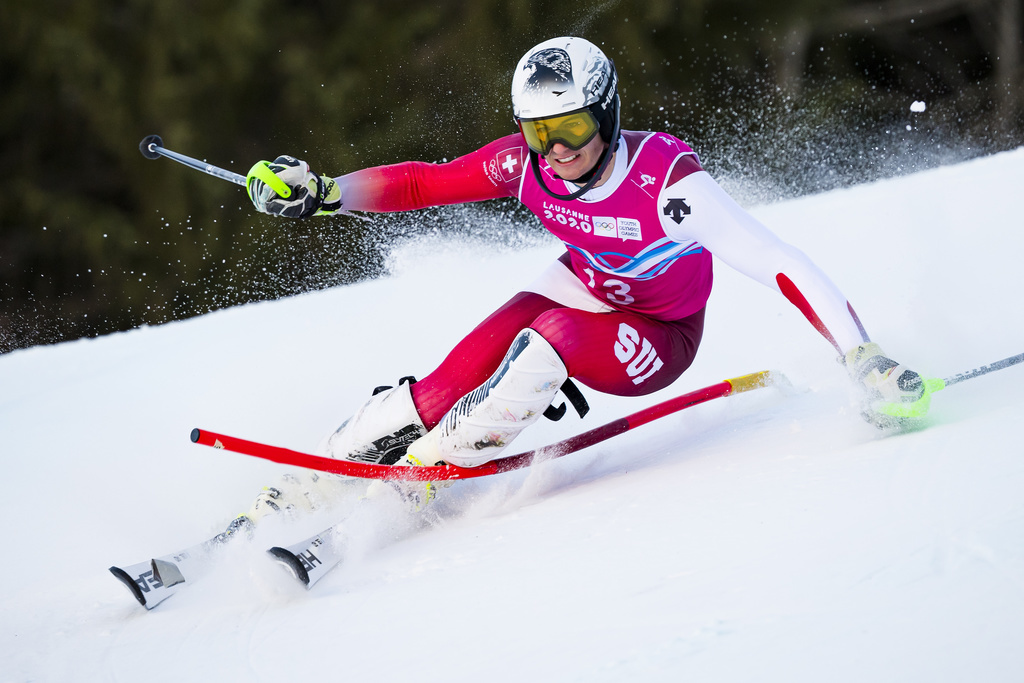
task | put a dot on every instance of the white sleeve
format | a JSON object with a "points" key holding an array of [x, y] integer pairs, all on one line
{"points": [[697, 208]]}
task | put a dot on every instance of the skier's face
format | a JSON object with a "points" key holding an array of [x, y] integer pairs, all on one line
{"points": [[570, 164]]}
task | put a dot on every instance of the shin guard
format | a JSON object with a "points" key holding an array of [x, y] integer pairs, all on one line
{"points": [[483, 422]]}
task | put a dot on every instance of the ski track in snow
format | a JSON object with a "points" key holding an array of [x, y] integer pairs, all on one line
{"points": [[770, 536]]}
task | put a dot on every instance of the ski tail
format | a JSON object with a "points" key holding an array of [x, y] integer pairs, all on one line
{"points": [[292, 562], [132, 582], [154, 581], [144, 583], [311, 559]]}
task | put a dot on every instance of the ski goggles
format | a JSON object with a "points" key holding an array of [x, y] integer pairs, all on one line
{"points": [[574, 130]]}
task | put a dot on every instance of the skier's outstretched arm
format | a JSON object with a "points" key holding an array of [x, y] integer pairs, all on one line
{"points": [[741, 241], [396, 187]]}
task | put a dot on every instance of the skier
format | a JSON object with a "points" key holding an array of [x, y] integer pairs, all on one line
{"points": [[621, 311]]}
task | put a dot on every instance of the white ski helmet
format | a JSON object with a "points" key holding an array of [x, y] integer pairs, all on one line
{"points": [[564, 75]]}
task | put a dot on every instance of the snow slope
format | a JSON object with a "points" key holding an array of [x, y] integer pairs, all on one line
{"points": [[770, 536]]}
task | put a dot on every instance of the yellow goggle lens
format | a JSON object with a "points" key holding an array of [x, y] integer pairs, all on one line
{"points": [[573, 130]]}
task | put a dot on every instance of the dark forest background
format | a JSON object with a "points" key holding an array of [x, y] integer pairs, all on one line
{"points": [[780, 99]]}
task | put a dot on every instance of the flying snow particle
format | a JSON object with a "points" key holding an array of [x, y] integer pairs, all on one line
{"points": [[918, 106]]}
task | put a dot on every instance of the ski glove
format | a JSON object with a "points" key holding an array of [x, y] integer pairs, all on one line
{"points": [[286, 187], [895, 393]]}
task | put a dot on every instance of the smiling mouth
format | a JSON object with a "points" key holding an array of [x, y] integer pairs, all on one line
{"points": [[567, 160]]}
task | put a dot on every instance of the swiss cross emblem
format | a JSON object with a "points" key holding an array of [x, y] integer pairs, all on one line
{"points": [[510, 161]]}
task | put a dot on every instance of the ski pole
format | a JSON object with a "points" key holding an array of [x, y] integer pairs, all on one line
{"points": [[919, 408], [983, 370], [152, 147]]}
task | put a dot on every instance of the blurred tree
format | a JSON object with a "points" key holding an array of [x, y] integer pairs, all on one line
{"points": [[779, 100]]}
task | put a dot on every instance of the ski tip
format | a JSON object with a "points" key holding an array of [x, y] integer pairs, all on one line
{"points": [[288, 559], [122, 576], [195, 435]]}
